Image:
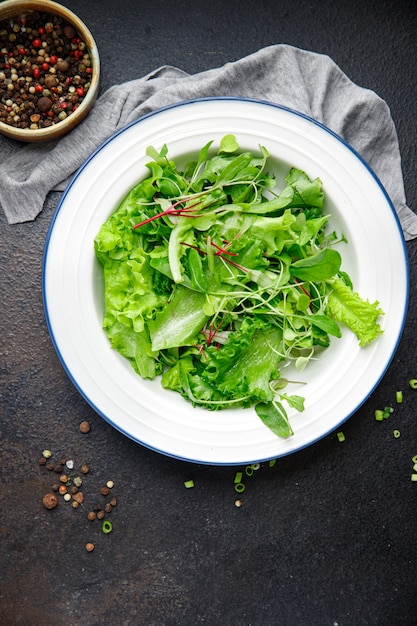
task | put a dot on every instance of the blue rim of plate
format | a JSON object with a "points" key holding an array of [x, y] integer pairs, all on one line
{"points": [[217, 99]]}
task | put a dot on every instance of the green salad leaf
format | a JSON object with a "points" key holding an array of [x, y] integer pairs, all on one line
{"points": [[361, 316], [217, 275]]}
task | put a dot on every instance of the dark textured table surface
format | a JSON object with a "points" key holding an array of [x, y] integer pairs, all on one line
{"points": [[328, 535]]}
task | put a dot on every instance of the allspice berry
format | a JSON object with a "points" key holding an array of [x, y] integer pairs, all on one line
{"points": [[51, 81], [85, 427], [44, 104], [78, 497], [49, 501], [62, 66]]}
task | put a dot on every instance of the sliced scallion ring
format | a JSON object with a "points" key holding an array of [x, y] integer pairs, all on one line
{"points": [[107, 526]]}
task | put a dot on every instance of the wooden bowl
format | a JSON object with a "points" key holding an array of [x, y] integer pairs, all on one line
{"points": [[16, 8]]}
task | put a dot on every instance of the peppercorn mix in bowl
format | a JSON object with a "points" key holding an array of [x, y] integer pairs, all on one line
{"points": [[49, 70]]}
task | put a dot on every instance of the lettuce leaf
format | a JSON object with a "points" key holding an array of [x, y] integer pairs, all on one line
{"points": [[179, 323], [361, 316], [247, 362], [136, 347]]}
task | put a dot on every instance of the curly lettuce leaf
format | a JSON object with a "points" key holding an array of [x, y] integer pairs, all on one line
{"points": [[239, 374], [246, 363], [361, 316], [136, 347]]}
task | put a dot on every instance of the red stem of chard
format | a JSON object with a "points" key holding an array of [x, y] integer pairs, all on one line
{"points": [[173, 210], [221, 250], [219, 254], [210, 333]]}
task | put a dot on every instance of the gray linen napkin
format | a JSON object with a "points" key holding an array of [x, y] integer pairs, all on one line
{"points": [[306, 81]]}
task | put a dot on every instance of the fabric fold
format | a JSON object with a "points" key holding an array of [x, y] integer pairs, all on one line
{"points": [[308, 82]]}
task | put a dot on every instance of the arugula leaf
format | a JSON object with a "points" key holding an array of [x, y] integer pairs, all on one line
{"points": [[275, 417], [235, 167], [295, 402], [326, 324], [318, 267], [195, 267]]}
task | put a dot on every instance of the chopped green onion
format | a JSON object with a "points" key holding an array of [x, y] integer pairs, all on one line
{"points": [[341, 436], [413, 383], [414, 459], [383, 414], [256, 466], [240, 487], [396, 433], [272, 462], [415, 467], [414, 478], [249, 470], [399, 397], [107, 527], [238, 477], [188, 484]]}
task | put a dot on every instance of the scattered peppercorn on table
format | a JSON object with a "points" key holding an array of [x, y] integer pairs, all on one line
{"points": [[96, 529]]}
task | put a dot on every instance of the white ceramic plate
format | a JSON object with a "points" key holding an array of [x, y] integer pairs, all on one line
{"points": [[337, 384]]}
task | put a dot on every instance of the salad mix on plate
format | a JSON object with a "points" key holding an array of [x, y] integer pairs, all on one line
{"points": [[216, 276]]}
